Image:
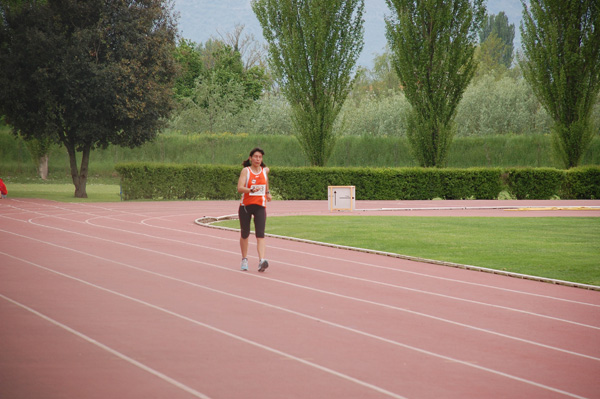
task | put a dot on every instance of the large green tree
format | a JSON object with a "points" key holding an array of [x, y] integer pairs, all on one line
{"points": [[313, 49], [86, 73], [432, 44], [561, 44]]}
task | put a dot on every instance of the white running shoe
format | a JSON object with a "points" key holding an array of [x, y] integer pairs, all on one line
{"points": [[244, 264]]}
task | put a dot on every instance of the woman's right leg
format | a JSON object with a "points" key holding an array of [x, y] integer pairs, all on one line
{"points": [[245, 219]]}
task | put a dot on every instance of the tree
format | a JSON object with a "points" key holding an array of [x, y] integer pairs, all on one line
{"points": [[39, 150], [313, 49], [214, 89], [190, 68], [251, 52], [87, 73], [498, 25], [384, 75], [432, 44], [489, 56], [561, 44]]}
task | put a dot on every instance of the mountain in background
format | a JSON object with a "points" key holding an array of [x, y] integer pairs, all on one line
{"points": [[200, 20]]}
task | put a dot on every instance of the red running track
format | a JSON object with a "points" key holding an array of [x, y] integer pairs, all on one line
{"points": [[134, 300]]}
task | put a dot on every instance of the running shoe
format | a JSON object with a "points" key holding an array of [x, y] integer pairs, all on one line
{"points": [[262, 265], [244, 264]]}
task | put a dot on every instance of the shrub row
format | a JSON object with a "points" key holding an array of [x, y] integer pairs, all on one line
{"points": [[166, 181]]}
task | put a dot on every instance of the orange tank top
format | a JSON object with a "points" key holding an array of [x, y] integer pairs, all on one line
{"points": [[257, 180]]}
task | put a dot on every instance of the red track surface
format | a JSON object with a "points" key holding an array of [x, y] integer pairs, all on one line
{"points": [[134, 300]]}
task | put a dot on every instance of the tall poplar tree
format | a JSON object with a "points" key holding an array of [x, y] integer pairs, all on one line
{"points": [[313, 49], [432, 44], [561, 44], [86, 73]]}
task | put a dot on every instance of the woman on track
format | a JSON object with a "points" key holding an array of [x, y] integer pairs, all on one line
{"points": [[253, 184]]}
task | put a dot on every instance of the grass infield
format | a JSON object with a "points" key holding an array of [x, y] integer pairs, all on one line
{"points": [[553, 247]]}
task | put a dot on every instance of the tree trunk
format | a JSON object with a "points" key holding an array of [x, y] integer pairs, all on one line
{"points": [[79, 177], [43, 167]]}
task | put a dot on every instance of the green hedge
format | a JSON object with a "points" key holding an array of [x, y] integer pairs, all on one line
{"points": [[582, 183], [165, 181]]}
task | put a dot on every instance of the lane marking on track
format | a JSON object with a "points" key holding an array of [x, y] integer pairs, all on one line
{"points": [[304, 267], [475, 268], [303, 361], [309, 268], [102, 346], [369, 302], [198, 323]]}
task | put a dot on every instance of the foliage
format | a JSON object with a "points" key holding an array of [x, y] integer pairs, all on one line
{"points": [[498, 26], [87, 73], [351, 151], [489, 57], [492, 106], [539, 183], [582, 183], [433, 42], [561, 42], [39, 149], [214, 88], [186, 181], [213, 106], [190, 66], [313, 48], [375, 116], [163, 181]]}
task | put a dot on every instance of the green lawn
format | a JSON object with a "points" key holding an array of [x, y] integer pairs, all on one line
{"points": [[64, 192], [554, 247]]}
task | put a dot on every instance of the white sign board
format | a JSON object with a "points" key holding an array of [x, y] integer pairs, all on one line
{"points": [[341, 198]]}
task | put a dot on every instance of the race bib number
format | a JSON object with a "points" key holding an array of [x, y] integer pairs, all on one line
{"points": [[260, 189]]}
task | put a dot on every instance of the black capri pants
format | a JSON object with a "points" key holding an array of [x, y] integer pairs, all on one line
{"points": [[260, 220]]}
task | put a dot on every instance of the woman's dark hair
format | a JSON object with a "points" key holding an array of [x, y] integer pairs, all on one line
{"points": [[247, 161]]}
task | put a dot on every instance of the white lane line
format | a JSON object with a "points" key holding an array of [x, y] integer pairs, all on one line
{"points": [[320, 291], [193, 321], [104, 347], [144, 222], [370, 265], [312, 269], [322, 368]]}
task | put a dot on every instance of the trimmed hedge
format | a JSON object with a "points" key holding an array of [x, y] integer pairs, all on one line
{"points": [[166, 181], [538, 183]]}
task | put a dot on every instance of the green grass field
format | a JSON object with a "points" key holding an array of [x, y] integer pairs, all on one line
{"points": [[553, 247], [64, 192]]}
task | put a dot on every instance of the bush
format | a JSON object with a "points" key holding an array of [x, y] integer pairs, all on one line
{"points": [[162, 181], [539, 183], [582, 183], [500, 106]]}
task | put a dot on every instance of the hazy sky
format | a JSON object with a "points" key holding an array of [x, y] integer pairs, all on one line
{"points": [[201, 19]]}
